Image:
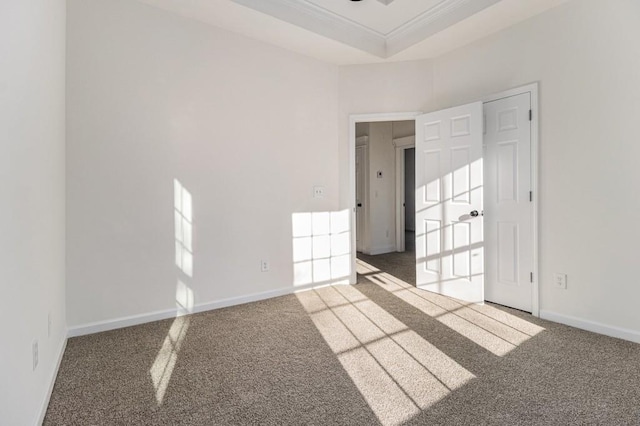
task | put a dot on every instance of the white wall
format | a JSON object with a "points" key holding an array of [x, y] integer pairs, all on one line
{"points": [[379, 88], [32, 189], [362, 129], [247, 128], [586, 56], [402, 129]]}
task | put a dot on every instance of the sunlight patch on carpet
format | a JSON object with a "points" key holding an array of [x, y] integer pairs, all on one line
{"points": [[165, 361], [496, 331], [397, 372]]}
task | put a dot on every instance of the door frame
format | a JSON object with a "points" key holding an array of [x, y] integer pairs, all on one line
{"points": [[532, 89], [364, 118], [401, 145], [363, 143]]}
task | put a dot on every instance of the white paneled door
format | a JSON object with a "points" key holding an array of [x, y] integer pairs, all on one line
{"points": [[449, 202], [508, 213]]}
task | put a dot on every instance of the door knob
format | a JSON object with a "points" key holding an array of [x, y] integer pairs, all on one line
{"points": [[359, 204], [474, 213]]}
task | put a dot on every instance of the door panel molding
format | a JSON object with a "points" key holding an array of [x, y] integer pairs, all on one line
{"points": [[449, 195]]}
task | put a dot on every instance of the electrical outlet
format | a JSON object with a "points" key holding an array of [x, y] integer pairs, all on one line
{"points": [[318, 192], [560, 280], [34, 350], [264, 266]]}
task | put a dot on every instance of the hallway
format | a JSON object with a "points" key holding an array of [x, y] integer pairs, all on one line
{"points": [[401, 265]]}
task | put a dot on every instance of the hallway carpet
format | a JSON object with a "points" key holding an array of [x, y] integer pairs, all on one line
{"points": [[401, 265]]}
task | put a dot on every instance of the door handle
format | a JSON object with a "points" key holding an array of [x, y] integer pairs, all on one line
{"points": [[359, 204], [474, 213]]}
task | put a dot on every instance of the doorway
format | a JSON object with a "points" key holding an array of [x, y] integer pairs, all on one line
{"points": [[384, 182], [528, 269]]}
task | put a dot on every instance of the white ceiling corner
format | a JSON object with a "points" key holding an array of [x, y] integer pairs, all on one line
{"points": [[382, 28]]}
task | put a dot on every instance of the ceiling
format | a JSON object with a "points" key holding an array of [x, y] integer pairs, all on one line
{"points": [[366, 31]]}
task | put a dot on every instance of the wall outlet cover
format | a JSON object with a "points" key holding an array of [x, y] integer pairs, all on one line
{"points": [[560, 280]]}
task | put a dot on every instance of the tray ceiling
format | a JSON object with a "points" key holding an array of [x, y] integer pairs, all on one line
{"points": [[366, 31], [379, 27], [377, 16]]}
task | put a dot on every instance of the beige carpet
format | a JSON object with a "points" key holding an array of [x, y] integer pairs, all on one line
{"points": [[380, 352], [400, 265]]}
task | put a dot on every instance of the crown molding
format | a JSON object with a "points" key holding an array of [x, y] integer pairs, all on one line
{"points": [[323, 22], [331, 25], [440, 17]]}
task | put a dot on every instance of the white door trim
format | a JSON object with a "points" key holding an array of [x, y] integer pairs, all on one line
{"points": [[533, 90], [364, 118], [365, 226], [401, 145]]}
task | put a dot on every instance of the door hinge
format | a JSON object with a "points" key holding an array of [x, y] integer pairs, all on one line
{"points": [[530, 114], [532, 277], [530, 196]]}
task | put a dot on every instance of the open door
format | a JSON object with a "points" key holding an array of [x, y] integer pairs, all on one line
{"points": [[449, 180]]}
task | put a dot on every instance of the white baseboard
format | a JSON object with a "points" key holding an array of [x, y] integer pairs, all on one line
{"points": [[52, 382], [382, 250], [593, 326], [97, 327]]}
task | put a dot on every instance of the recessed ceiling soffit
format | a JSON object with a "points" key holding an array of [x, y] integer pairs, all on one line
{"points": [[382, 27]]}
